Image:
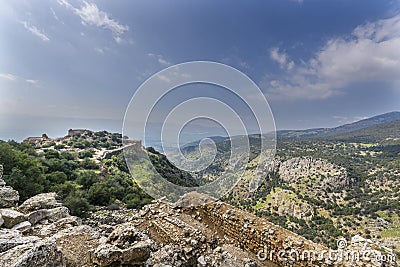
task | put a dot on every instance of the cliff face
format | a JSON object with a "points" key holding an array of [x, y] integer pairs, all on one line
{"points": [[318, 173]]}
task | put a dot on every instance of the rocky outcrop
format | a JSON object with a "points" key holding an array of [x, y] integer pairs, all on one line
{"points": [[314, 173], [195, 231], [8, 196], [41, 201], [19, 243]]}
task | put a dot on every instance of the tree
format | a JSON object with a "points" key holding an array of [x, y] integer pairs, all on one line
{"points": [[27, 186], [86, 178]]}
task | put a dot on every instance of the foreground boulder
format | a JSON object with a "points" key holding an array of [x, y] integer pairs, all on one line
{"points": [[125, 245], [41, 201], [77, 244], [39, 253], [11, 217], [8, 196], [12, 238]]}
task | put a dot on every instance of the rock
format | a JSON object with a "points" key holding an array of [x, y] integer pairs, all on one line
{"points": [[1, 220], [41, 201], [33, 254], [23, 227], [168, 255], [38, 215], [8, 197], [202, 261], [326, 174], [64, 223], [12, 238], [11, 217], [125, 245], [193, 199], [77, 243], [57, 213]]}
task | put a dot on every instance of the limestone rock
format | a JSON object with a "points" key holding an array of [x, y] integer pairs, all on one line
{"points": [[64, 223], [8, 197], [38, 215], [23, 227], [77, 244], [57, 213], [125, 245], [33, 254], [41, 201], [1, 220], [11, 217], [12, 238], [201, 261], [193, 199]]}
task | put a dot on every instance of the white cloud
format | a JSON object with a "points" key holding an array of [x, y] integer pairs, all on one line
{"points": [[281, 58], [91, 15], [35, 31], [32, 81], [8, 76], [344, 119], [99, 50], [370, 54], [54, 14], [160, 59], [163, 78], [12, 77]]}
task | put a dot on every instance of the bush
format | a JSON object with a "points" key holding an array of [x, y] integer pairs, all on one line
{"points": [[77, 205], [87, 153], [99, 194]]}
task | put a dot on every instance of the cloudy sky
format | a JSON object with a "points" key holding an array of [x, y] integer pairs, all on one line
{"points": [[76, 64]]}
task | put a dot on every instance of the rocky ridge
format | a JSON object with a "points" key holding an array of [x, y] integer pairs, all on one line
{"points": [[195, 231]]}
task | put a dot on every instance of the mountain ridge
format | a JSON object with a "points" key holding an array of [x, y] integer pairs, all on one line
{"points": [[342, 129]]}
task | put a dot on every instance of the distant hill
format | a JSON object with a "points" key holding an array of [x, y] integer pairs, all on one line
{"points": [[377, 133], [343, 129], [216, 139]]}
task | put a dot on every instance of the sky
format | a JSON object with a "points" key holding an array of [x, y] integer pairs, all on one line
{"points": [[76, 64]]}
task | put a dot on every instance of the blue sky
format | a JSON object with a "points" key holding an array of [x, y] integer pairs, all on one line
{"points": [[76, 64]]}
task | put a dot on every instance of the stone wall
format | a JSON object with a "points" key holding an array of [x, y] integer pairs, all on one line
{"points": [[72, 132], [255, 234]]}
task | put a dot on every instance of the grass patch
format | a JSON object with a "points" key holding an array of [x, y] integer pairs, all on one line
{"points": [[392, 232]]}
